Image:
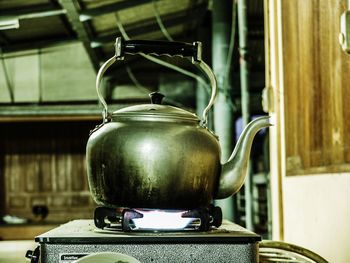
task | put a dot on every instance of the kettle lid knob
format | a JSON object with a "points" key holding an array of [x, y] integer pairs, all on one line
{"points": [[156, 97]]}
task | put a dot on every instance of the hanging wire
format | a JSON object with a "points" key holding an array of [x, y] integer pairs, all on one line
{"points": [[143, 89], [7, 77], [136, 82], [231, 45], [167, 35], [161, 62], [160, 22], [140, 86], [227, 68]]}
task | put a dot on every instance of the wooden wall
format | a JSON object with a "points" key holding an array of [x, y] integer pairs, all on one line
{"points": [[316, 88], [43, 163]]}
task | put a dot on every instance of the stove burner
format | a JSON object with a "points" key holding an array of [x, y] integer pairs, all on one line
{"points": [[127, 219]]}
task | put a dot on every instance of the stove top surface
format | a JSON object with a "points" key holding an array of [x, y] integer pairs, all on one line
{"points": [[85, 232]]}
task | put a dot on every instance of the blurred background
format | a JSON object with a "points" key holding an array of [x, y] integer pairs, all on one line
{"points": [[281, 58]]}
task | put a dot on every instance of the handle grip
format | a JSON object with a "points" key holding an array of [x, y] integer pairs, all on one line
{"points": [[160, 48], [151, 47]]}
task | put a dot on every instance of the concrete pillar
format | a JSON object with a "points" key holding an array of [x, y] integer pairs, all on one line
{"points": [[223, 112]]}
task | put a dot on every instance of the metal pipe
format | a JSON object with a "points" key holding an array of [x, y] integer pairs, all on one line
{"points": [[244, 76], [41, 14], [33, 14], [223, 114]]}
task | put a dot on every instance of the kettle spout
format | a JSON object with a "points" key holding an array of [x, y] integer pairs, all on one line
{"points": [[234, 171]]}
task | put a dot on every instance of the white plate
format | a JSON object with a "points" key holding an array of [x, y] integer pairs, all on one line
{"points": [[107, 257]]}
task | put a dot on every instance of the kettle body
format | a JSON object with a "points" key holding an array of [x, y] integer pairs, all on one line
{"points": [[143, 164]]}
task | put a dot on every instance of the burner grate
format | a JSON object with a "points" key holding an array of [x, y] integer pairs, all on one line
{"points": [[127, 219]]}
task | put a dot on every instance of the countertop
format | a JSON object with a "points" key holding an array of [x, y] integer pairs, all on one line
{"points": [[24, 231], [14, 251]]}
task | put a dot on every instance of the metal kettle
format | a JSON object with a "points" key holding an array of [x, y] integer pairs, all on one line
{"points": [[159, 156]]}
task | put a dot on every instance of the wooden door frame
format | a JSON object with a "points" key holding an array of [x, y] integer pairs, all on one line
{"points": [[274, 101]]}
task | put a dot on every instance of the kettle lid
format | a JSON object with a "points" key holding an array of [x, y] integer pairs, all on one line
{"points": [[154, 112]]}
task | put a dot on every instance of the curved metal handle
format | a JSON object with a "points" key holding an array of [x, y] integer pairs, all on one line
{"points": [[210, 74], [99, 76], [182, 49]]}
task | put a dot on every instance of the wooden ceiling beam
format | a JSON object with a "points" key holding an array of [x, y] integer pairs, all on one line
{"points": [[3, 40], [83, 30], [110, 8]]}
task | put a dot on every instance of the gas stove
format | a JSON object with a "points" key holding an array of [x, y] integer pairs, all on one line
{"points": [[127, 219], [78, 238]]}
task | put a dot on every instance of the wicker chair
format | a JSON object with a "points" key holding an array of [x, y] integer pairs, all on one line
{"points": [[276, 251]]}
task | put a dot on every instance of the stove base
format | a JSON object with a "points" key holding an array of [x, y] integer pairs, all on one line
{"points": [[180, 253], [228, 243]]}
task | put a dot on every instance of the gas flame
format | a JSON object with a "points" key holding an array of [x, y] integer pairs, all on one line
{"points": [[161, 220]]}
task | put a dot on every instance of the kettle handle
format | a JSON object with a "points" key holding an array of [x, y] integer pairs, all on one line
{"points": [[159, 48]]}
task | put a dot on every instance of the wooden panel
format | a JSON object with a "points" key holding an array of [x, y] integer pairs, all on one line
{"points": [[316, 87], [44, 164]]}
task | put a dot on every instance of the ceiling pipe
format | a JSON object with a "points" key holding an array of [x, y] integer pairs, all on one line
{"points": [[19, 15], [11, 20], [223, 114], [9, 23]]}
